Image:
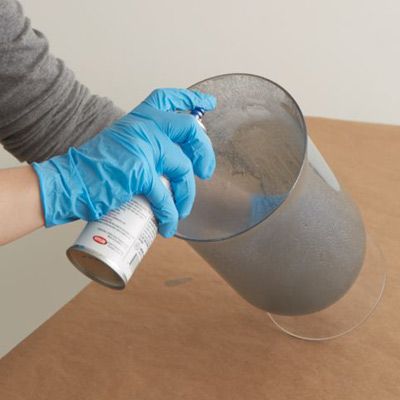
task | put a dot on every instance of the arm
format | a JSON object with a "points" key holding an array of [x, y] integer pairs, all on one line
{"points": [[124, 160], [44, 110], [46, 116], [20, 206]]}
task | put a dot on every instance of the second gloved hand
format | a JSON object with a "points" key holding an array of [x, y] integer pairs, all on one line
{"points": [[128, 158]]}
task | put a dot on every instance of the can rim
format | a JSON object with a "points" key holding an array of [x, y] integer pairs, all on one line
{"points": [[117, 272]]}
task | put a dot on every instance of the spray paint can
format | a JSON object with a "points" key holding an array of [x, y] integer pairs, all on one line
{"points": [[110, 249]]}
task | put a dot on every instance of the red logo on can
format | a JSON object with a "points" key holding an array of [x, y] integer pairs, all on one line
{"points": [[99, 239]]}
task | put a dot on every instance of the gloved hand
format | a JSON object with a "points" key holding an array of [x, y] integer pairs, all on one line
{"points": [[127, 158]]}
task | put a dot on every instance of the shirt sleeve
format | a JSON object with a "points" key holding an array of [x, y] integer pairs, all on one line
{"points": [[44, 110]]}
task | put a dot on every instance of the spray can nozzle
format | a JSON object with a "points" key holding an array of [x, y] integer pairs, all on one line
{"points": [[198, 112]]}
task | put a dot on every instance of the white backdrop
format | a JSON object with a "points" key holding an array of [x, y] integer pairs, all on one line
{"points": [[338, 59]]}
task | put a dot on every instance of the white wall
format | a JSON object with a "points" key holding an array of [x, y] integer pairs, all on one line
{"points": [[338, 58]]}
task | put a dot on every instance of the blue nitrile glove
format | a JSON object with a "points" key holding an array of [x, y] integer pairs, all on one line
{"points": [[128, 158]]}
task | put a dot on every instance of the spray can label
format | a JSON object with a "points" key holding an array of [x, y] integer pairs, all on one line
{"points": [[123, 235]]}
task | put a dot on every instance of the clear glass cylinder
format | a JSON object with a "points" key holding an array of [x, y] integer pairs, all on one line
{"points": [[274, 221]]}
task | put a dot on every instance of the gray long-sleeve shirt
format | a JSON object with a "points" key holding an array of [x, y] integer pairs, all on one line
{"points": [[44, 110]]}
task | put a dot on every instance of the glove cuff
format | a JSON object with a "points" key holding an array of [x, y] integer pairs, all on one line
{"points": [[63, 194]]}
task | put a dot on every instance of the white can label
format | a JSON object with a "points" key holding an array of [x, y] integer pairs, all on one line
{"points": [[123, 236]]}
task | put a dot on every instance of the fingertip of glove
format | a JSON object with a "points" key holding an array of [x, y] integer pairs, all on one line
{"points": [[213, 101], [184, 214], [206, 101], [206, 173], [168, 229], [167, 232]]}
